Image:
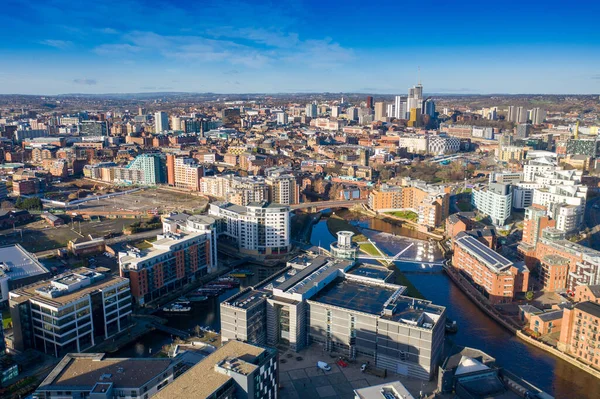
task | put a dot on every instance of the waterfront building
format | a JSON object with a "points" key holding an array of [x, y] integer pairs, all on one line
{"points": [[174, 260], [430, 203], [18, 268], [93, 375], [494, 201], [498, 277], [235, 370], [469, 373], [587, 293], [338, 305], [260, 228], [579, 334], [71, 312]]}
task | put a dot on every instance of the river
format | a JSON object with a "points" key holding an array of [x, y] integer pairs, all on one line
{"points": [[476, 329]]}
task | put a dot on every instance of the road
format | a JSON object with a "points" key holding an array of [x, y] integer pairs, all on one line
{"points": [[115, 240]]}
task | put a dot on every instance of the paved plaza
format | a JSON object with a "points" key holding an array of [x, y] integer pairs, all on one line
{"points": [[301, 379]]}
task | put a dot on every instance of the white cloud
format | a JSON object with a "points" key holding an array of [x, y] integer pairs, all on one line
{"points": [[61, 44]]}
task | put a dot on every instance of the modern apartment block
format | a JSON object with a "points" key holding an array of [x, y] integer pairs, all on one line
{"points": [[174, 260], [186, 173], [152, 167], [235, 370], [500, 278], [580, 333], [343, 307], [93, 375], [283, 189], [71, 312], [495, 201], [431, 203], [260, 228], [237, 190]]}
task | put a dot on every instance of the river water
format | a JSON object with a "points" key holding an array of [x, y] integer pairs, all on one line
{"points": [[476, 329]]}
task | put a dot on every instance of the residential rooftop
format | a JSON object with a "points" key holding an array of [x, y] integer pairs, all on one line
{"points": [[77, 370], [493, 260], [202, 380]]}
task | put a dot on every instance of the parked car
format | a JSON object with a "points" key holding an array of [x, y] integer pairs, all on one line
{"points": [[323, 366]]}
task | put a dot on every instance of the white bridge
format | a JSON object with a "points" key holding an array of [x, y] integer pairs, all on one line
{"points": [[391, 259]]}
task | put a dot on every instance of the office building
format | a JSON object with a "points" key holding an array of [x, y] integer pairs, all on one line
{"points": [[415, 99], [161, 122], [18, 268], [494, 201], [380, 111], [399, 107], [336, 111], [352, 113], [311, 111], [429, 108], [93, 128], [93, 375], [283, 189], [259, 228], [370, 102], [498, 277], [587, 147], [443, 145], [235, 370], [71, 312], [174, 260], [335, 304], [152, 168]]}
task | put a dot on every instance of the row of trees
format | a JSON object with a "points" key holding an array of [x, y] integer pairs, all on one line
{"points": [[30, 204]]}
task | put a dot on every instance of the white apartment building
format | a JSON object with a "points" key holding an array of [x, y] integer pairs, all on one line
{"points": [[414, 143], [495, 201], [71, 312], [237, 190], [260, 228]]}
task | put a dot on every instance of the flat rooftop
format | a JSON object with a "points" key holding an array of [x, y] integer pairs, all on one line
{"points": [[354, 295], [370, 271], [85, 370], [32, 291], [16, 263], [203, 379], [389, 390]]}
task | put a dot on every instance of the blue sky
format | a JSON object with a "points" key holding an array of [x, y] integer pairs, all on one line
{"points": [[110, 46]]}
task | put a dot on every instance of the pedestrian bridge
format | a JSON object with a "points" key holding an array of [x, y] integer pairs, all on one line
{"points": [[327, 204]]}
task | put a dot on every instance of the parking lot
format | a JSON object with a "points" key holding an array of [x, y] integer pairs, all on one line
{"points": [[300, 378], [148, 200]]}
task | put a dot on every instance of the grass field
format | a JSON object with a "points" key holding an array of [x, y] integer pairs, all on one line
{"points": [[6, 318], [408, 215], [464, 206]]}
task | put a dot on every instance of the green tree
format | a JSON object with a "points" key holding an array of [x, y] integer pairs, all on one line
{"points": [[529, 295]]}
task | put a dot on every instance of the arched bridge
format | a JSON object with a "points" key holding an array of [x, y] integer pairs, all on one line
{"points": [[327, 204]]}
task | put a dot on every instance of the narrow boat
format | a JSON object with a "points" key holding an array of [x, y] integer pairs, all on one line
{"points": [[176, 308], [198, 298]]}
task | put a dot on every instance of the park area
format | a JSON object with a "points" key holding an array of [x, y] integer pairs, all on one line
{"points": [[406, 215]]}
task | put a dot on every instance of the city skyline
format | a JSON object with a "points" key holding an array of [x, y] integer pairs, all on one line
{"points": [[130, 46]]}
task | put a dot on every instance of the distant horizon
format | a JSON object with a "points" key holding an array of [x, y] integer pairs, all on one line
{"points": [[297, 46], [425, 93]]}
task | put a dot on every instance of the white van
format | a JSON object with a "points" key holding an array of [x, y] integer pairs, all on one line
{"points": [[323, 366]]}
